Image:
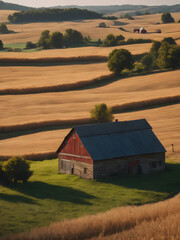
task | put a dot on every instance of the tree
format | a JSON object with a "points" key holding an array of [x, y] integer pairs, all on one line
{"points": [[174, 56], [167, 18], [120, 59], [147, 61], [1, 45], [154, 52], [43, 41], [17, 169], [3, 28], [162, 60], [101, 113], [56, 40], [110, 40], [72, 37], [30, 45], [169, 40]]}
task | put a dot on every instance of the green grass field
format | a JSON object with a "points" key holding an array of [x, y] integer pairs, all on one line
{"points": [[49, 197]]}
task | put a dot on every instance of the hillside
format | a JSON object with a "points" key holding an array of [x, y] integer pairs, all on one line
{"points": [[11, 6], [131, 9]]}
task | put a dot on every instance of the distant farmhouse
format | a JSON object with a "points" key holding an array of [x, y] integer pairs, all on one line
{"points": [[140, 30], [104, 149]]}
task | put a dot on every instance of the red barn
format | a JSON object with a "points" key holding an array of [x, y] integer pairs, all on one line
{"points": [[99, 150]]}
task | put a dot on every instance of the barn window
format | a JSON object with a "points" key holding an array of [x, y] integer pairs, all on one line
{"points": [[85, 170], [154, 164], [160, 163], [80, 145], [66, 142]]}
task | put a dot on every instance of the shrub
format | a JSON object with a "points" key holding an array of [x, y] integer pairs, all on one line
{"points": [[138, 68], [30, 45], [3, 28], [147, 61], [17, 169], [167, 18], [169, 40], [3, 177], [120, 59], [1, 45], [101, 113]]}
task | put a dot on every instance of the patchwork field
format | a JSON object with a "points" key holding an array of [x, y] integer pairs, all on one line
{"points": [[31, 32]]}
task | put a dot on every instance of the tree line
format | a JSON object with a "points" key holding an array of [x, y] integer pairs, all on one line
{"points": [[52, 15]]}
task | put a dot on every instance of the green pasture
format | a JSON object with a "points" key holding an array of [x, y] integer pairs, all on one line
{"points": [[49, 197]]}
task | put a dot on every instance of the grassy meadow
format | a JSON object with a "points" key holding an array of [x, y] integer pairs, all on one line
{"points": [[50, 197]]}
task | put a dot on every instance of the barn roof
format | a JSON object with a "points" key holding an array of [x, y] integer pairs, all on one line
{"points": [[119, 139]]}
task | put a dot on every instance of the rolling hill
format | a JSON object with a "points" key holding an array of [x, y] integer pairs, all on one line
{"points": [[11, 6]]}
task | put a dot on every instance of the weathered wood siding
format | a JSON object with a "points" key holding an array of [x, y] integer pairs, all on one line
{"points": [[74, 159], [142, 164]]}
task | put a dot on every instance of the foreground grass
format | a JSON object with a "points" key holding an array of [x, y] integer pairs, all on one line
{"points": [[50, 197]]}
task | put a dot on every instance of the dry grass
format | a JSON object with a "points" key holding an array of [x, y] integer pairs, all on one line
{"points": [[164, 120], [31, 32], [4, 14], [144, 222], [21, 79], [23, 109]]}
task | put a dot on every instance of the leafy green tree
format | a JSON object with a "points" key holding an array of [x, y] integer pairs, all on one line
{"points": [[30, 45], [3, 28], [162, 60], [1, 45], [154, 52], [110, 40], [169, 40], [101, 113], [174, 57], [167, 18], [56, 40], [120, 59], [43, 41], [147, 61], [72, 37], [17, 169]]}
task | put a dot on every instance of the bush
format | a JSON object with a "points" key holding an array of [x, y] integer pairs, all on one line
{"points": [[3, 28], [17, 169], [30, 45], [101, 113], [138, 68], [120, 59], [169, 40], [147, 61], [3, 177], [167, 18], [1, 45]]}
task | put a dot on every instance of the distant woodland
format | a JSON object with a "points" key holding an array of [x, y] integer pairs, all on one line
{"points": [[51, 15]]}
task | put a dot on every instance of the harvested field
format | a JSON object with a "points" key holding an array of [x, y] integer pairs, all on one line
{"points": [[76, 52], [25, 77], [31, 32], [164, 120], [4, 15], [77, 104]]}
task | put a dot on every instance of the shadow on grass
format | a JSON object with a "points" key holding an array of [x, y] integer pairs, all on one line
{"points": [[167, 181], [16, 198], [43, 190]]}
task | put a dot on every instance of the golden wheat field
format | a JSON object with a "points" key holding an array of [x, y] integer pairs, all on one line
{"points": [[127, 223], [31, 32], [24, 77], [77, 104]]}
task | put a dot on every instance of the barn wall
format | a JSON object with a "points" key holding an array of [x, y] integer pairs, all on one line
{"points": [[82, 169], [73, 149], [142, 164]]}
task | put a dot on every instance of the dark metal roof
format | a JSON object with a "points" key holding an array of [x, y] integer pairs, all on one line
{"points": [[119, 139], [112, 127]]}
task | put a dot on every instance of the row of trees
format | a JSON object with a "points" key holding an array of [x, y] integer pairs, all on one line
{"points": [[164, 54], [16, 169], [118, 40], [70, 38], [52, 15]]}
